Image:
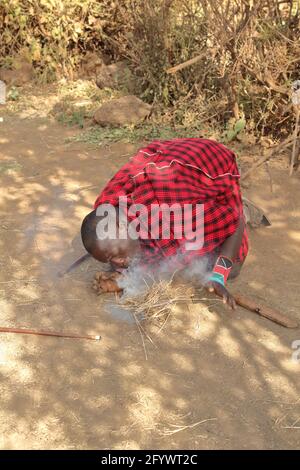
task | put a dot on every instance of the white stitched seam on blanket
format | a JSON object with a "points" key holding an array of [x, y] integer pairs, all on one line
{"points": [[185, 164]]}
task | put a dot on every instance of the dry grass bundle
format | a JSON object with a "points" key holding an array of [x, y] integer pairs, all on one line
{"points": [[156, 304]]}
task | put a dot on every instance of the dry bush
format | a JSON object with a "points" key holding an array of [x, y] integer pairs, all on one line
{"points": [[54, 34], [249, 52]]}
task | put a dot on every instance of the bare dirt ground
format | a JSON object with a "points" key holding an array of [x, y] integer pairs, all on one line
{"points": [[214, 380]]}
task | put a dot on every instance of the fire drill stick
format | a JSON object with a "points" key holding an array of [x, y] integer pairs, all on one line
{"points": [[264, 311], [25, 331]]}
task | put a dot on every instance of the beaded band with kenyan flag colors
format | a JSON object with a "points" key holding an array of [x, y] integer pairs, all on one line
{"points": [[221, 270], [183, 171]]}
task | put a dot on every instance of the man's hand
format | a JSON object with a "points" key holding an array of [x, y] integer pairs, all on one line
{"points": [[106, 282], [221, 291]]}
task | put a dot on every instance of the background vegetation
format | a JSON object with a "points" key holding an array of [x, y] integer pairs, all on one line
{"points": [[249, 53]]}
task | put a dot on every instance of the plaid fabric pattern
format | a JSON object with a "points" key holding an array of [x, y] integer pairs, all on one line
{"points": [[182, 171]]}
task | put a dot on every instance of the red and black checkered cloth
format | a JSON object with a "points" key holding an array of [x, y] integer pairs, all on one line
{"points": [[183, 171]]}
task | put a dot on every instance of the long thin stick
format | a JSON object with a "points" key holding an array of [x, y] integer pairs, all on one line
{"points": [[74, 265], [25, 331], [295, 141], [264, 311], [267, 157], [187, 63]]}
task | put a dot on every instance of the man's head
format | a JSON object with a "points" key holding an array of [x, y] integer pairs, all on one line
{"points": [[116, 251]]}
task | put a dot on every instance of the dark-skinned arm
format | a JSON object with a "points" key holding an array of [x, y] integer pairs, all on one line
{"points": [[229, 249], [231, 246]]}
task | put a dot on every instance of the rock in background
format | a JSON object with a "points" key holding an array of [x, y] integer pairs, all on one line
{"points": [[19, 75], [91, 65], [117, 75], [122, 111]]}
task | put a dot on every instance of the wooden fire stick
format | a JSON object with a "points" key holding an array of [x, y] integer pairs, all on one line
{"points": [[264, 311], [25, 331], [295, 140]]}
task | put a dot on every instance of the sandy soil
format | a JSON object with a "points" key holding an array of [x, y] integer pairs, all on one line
{"points": [[230, 373]]}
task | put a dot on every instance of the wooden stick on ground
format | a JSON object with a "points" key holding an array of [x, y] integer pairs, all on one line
{"points": [[25, 331], [187, 63], [295, 140], [264, 311], [74, 265], [267, 157]]}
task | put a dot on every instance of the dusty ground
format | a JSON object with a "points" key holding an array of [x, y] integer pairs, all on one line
{"points": [[232, 370]]}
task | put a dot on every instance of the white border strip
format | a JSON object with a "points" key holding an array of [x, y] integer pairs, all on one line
{"points": [[183, 164]]}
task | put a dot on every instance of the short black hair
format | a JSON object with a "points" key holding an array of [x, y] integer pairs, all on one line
{"points": [[89, 235], [88, 231]]}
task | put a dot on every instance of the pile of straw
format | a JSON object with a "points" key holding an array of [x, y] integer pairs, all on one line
{"points": [[156, 304]]}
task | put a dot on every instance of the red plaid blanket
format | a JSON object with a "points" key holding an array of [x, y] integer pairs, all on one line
{"points": [[183, 171]]}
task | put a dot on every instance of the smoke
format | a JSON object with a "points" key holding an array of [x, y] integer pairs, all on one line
{"points": [[135, 280], [198, 270], [138, 278]]}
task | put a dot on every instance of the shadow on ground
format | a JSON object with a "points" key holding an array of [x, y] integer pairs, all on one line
{"points": [[212, 380]]}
